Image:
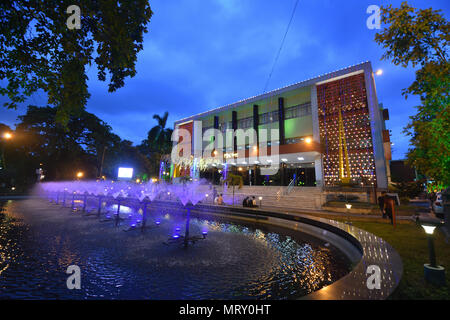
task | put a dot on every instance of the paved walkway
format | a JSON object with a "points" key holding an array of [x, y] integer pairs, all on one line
{"points": [[323, 212]]}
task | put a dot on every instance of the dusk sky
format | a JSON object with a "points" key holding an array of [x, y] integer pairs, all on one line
{"points": [[203, 54]]}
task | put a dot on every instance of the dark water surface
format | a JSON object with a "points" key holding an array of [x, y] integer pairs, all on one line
{"points": [[38, 241]]}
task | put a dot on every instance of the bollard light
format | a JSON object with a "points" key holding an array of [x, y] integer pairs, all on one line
{"points": [[260, 199], [348, 206], [433, 273]]}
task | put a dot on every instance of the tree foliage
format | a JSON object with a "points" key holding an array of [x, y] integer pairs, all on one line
{"points": [[420, 38], [158, 142], [63, 150], [38, 50]]}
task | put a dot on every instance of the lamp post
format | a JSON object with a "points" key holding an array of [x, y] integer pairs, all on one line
{"points": [[433, 273], [260, 199], [6, 136], [348, 206]]}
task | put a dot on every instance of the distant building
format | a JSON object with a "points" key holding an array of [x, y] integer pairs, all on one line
{"points": [[402, 172], [330, 130]]}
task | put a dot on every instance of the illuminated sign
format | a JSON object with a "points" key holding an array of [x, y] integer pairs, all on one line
{"points": [[125, 173]]}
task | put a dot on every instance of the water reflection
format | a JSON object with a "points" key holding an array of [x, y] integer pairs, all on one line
{"points": [[234, 262]]}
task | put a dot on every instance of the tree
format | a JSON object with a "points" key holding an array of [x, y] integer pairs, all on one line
{"points": [[158, 142], [234, 180], [77, 146], [39, 52], [421, 38]]}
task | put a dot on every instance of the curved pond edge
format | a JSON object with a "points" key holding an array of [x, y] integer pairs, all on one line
{"points": [[363, 248]]}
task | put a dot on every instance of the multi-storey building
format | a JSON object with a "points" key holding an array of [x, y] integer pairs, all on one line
{"points": [[325, 131]]}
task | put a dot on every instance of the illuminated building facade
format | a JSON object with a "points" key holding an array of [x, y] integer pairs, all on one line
{"points": [[330, 131]]}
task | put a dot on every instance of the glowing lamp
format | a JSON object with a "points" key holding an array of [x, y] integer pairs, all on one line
{"points": [[348, 206], [308, 140], [433, 273], [379, 72], [429, 229]]}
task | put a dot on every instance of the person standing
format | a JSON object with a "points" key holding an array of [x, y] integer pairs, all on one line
{"points": [[381, 204], [389, 205], [214, 191]]}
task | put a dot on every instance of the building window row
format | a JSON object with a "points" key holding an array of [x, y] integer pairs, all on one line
{"points": [[298, 111], [268, 117]]}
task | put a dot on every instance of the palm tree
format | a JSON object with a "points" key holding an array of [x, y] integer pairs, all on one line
{"points": [[159, 140], [234, 180], [159, 135]]}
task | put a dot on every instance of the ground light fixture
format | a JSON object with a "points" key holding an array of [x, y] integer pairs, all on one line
{"points": [[348, 206], [260, 199], [433, 273]]}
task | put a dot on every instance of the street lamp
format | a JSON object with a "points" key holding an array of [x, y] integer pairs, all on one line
{"points": [[260, 199], [5, 136], [80, 174], [379, 72], [433, 273]]}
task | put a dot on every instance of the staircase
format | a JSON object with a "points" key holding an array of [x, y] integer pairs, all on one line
{"points": [[295, 198]]}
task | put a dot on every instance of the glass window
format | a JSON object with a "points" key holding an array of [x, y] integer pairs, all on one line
{"points": [[298, 111]]}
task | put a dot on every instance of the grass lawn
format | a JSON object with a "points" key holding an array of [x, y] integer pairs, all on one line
{"points": [[402, 210], [411, 243]]}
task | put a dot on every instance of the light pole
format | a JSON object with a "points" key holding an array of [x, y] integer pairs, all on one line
{"points": [[6, 136], [433, 273]]}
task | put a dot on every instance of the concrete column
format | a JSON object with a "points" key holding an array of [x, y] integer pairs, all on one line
{"points": [[316, 135], [197, 143], [281, 119], [376, 128]]}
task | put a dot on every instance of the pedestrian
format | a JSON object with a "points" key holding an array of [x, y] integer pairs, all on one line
{"points": [[381, 204], [389, 205], [245, 202], [220, 200], [214, 192], [254, 202]]}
